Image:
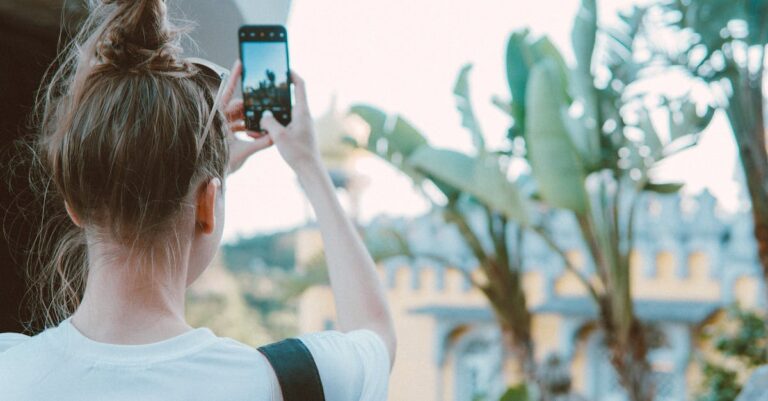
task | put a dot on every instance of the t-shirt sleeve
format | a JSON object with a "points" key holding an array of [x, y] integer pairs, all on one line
{"points": [[8, 340], [353, 366]]}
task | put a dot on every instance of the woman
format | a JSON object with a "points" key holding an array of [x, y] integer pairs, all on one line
{"points": [[137, 149]]}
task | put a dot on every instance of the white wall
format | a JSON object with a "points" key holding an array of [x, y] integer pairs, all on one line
{"points": [[216, 24]]}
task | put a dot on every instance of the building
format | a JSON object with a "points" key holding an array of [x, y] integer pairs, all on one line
{"points": [[687, 264]]}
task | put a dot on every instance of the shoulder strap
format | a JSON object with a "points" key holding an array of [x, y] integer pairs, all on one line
{"points": [[296, 370]]}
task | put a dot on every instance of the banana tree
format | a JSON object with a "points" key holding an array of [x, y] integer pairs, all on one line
{"points": [[589, 144], [463, 179], [724, 47]]}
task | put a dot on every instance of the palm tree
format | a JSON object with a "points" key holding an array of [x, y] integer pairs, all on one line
{"points": [[578, 136], [464, 181], [724, 47]]}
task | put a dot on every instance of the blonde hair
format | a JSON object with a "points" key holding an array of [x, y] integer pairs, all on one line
{"points": [[119, 125]]}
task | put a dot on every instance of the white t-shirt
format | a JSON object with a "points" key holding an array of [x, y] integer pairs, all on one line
{"points": [[62, 364]]}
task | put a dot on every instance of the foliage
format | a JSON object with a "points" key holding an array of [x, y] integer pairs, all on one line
{"points": [[253, 296], [590, 149], [225, 309], [749, 343], [724, 47], [741, 342], [516, 393], [463, 181], [720, 383], [272, 250]]}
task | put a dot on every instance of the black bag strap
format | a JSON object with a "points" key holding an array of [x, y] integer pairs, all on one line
{"points": [[295, 369]]}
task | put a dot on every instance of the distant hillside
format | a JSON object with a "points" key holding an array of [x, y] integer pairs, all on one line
{"points": [[262, 251]]}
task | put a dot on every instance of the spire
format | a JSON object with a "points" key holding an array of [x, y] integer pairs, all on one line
{"points": [[333, 130]]}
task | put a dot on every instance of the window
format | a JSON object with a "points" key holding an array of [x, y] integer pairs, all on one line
{"points": [[478, 364], [669, 378]]}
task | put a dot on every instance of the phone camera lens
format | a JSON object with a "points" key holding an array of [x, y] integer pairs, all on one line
{"points": [[271, 34], [252, 34]]}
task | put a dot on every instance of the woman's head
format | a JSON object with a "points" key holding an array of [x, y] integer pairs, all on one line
{"points": [[122, 141]]}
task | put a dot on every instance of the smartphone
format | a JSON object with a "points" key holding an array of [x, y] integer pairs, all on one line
{"points": [[266, 75]]}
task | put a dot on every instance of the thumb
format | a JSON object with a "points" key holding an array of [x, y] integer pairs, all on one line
{"points": [[272, 126], [259, 143]]}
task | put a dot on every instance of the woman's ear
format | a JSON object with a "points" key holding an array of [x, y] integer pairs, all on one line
{"points": [[72, 214], [205, 211]]}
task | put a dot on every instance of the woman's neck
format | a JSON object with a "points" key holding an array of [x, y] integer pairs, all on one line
{"points": [[121, 306]]}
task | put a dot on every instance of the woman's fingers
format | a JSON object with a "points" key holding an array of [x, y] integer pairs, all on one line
{"points": [[300, 91], [234, 78], [237, 126], [259, 143], [272, 126], [235, 110], [240, 151]]}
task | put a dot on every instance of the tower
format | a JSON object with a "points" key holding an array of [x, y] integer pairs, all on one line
{"points": [[333, 130]]}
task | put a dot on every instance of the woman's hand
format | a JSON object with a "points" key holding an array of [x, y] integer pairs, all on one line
{"points": [[296, 141], [239, 149]]}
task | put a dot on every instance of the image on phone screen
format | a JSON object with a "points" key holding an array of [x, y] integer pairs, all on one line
{"points": [[266, 77]]}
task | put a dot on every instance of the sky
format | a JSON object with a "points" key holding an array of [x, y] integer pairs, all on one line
{"points": [[403, 57], [262, 56]]}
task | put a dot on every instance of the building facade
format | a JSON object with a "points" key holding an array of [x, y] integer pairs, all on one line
{"points": [[687, 264]]}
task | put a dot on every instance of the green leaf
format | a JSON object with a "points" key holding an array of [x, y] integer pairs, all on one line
{"points": [[518, 63], [580, 135], [480, 177], [700, 121], [709, 18], [503, 105], [663, 188], [620, 38], [650, 136], [351, 141], [543, 49], [393, 139], [391, 136], [582, 85], [554, 159], [516, 393], [756, 13], [684, 120], [522, 54], [464, 105], [584, 34]]}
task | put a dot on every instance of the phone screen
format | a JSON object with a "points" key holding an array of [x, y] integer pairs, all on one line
{"points": [[266, 76]]}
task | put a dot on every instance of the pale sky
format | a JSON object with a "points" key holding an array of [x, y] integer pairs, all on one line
{"points": [[403, 56], [263, 56]]}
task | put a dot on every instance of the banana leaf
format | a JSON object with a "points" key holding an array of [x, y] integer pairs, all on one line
{"points": [[464, 105], [554, 159], [480, 177]]}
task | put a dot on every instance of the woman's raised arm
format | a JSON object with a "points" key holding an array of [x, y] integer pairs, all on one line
{"points": [[358, 292]]}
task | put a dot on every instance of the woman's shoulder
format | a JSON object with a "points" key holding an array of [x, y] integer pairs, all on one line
{"points": [[10, 340], [352, 365], [362, 344]]}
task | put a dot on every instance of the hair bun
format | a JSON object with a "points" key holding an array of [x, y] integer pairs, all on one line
{"points": [[139, 35]]}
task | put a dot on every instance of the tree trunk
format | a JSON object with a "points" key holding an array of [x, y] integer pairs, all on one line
{"points": [[746, 117], [754, 161], [629, 359], [522, 350], [761, 234], [509, 306]]}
